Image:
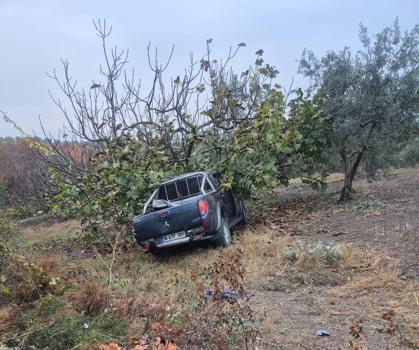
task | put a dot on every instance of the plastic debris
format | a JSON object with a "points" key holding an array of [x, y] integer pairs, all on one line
{"points": [[226, 294], [322, 333]]}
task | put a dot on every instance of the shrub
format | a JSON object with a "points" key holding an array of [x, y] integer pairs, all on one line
{"points": [[321, 252], [23, 281], [7, 225], [223, 316], [20, 279], [208, 310], [91, 298], [49, 304], [7, 318], [70, 331], [7, 229], [410, 155], [367, 205], [292, 253]]}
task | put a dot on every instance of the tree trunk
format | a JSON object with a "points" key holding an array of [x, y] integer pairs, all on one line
{"points": [[350, 172], [370, 167], [345, 194]]}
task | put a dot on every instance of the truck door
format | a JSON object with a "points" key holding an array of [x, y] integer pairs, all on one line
{"points": [[226, 196]]}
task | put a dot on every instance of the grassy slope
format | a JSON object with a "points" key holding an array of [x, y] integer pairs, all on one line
{"points": [[293, 290], [2, 194]]}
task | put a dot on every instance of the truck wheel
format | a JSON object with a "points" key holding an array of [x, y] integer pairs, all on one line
{"points": [[154, 251], [223, 234], [243, 220]]}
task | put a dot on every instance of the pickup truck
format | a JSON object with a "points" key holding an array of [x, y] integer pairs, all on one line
{"points": [[188, 208]]}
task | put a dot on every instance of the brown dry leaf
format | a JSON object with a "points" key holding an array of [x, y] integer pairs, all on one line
{"points": [[140, 347], [110, 346], [171, 346], [159, 345], [142, 344]]}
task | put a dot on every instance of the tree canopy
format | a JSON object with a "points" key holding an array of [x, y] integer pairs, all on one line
{"points": [[372, 96], [210, 118]]}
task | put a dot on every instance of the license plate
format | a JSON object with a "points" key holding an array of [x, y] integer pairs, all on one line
{"points": [[174, 236]]}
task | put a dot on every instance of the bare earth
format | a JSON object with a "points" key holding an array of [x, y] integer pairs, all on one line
{"points": [[378, 232], [384, 220]]}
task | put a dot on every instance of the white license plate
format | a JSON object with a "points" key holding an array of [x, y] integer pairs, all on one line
{"points": [[174, 236]]}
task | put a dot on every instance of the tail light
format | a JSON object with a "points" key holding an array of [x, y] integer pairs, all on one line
{"points": [[203, 207]]}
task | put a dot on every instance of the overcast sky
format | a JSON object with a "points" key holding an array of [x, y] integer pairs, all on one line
{"points": [[35, 34]]}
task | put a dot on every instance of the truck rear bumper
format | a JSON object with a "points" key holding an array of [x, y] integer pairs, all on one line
{"points": [[195, 234], [174, 242]]}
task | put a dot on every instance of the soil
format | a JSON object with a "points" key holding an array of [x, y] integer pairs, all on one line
{"points": [[383, 218]]}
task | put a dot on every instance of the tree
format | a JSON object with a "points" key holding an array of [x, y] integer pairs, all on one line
{"points": [[372, 96], [209, 118], [23, 176], [208, 98]]}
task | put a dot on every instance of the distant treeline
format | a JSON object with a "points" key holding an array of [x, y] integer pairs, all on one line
{"points": [[25, 177]]}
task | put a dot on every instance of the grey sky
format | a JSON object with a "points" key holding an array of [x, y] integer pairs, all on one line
{"points": [[34, 35]]}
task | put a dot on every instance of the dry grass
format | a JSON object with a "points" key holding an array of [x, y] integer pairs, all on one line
{"points": [[91, 298], [329, 282], [382, 278], [44, 232], [53, 266], [7, 318], [335, 177], [25, 281], [262, 249]]}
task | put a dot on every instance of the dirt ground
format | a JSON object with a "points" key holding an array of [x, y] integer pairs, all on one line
{"points": [[382, 219], [378, 232]]}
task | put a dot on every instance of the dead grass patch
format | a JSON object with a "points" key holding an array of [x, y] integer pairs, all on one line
{"points": [[91, 299], [383, 278], [8, 318], [52, 265], [132, 308], [261, 250], [25, 281], [318, 264], [43, 232]]}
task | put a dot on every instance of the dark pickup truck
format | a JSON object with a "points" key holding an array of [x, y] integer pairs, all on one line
{"points": [[188, 208]]}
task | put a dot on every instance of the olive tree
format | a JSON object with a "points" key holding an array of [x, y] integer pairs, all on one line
{"points": [[372, 96]]}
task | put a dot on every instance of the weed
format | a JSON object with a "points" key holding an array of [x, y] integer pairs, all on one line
{"points": [[368, 205], [7, 225], [48, 305], [91, 298], [393, 328], [24, 281], [7, 318], [70, 331], [292, 253], [321, 252], [356, 331], [225, 316], [316, 264]]}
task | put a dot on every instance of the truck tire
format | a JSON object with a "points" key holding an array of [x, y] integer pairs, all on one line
{"points": [[223, 234], [154, 251], [243, 220]]}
